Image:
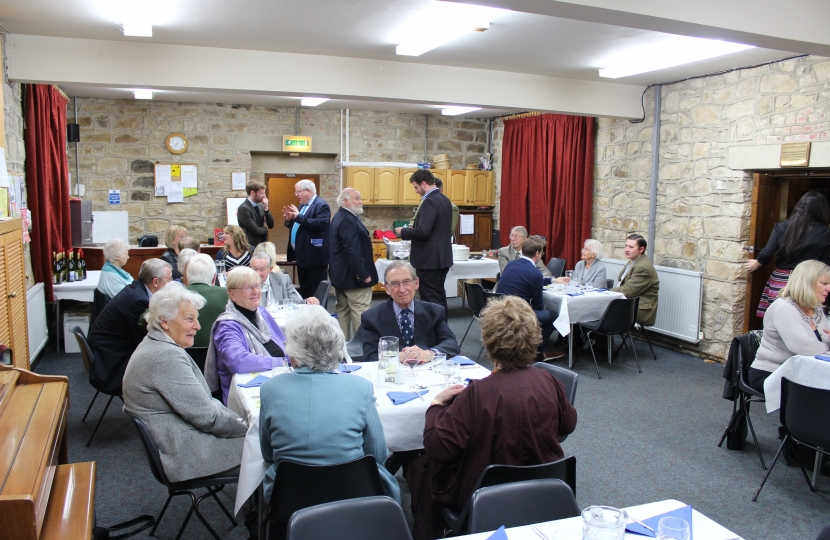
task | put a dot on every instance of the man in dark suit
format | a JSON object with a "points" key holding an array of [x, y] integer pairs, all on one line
{"points": [[352, 267], [253, 214], [308, 242], [431, 236], [420, 326], [116, 332]]}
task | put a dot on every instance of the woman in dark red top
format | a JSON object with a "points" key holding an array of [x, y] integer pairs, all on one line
{"points": [[513, 417]]}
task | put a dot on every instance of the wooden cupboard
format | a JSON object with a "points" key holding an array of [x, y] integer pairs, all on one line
{"points": [[470, 187], [482, 237], [376, 185], [378, 252], [14, 331], [391, 187]]}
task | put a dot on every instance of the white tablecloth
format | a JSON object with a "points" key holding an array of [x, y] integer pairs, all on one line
{"points": [[703, 528], [576, 309], [472, 269], [403, 425], [804, 370], [78, 290]]}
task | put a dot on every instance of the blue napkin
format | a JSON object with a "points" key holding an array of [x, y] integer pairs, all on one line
{"points": [[399, 398], [600, 290], [463, 360], [498, 535], [825, 357], [684, 512], [256, 382], [576, 293], [349, 368]]}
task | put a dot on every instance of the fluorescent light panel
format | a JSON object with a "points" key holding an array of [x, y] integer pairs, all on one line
{"points": [[666, 53], [137, 28], [143, 93], [312, 101], [440, 23], [137, 17], [455, 110]]}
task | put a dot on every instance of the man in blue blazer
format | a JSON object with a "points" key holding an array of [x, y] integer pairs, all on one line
{"points": [[352, 268], [308, 241], [421, 326]]}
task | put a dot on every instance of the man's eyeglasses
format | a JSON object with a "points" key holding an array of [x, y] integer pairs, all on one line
{"points": [[398, 284], [517, 236], [298, 191], [248, 289]]}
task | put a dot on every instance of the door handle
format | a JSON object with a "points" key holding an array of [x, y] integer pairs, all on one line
{"points": [[750, 249], [13, 295]]}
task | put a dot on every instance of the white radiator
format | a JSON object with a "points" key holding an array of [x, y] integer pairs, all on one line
{"points": [[36, 314], [680, 300]]}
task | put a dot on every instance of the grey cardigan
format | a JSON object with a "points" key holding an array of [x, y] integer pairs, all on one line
{"points": [[196, 434], [282, 287], [787, 334], [595, 275]]}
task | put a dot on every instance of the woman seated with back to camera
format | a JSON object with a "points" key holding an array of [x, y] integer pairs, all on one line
{"points": [[315, 414], [245, 337], [513, 417], [196, 435], [590, 270], [795, 322]]}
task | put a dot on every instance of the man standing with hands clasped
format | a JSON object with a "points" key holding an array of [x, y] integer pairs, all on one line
{"points": [[253, 215], [431, 236], [308, 243]]}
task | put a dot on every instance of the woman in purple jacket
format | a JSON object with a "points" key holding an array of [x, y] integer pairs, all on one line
{"points": [[245, 337]]}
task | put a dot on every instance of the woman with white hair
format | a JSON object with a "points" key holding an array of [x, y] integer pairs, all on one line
{"points": [[196, 435], [113, 276], [185, 256], [590, 270], [317, 415], [245, 337]]}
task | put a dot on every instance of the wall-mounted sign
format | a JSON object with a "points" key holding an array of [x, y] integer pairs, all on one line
{"points": [[795, 154], [296, 143]]}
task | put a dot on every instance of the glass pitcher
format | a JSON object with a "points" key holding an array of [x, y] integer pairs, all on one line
{"points": [[387, 359], [603, 523]]}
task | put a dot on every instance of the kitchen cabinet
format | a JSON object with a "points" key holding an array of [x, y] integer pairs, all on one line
{"points": [[390, 186], [376, 185], [378, 252], [482, 236], [470, 187], [14, 330]]}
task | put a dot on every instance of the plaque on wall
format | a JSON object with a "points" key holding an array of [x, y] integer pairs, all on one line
{"points": [[795, 154]]}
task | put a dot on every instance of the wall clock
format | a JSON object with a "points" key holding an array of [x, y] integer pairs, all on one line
{"points": [[176, 143]]}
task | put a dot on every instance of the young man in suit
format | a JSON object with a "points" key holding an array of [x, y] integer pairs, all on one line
{"points": [[253, 214], [431, 236], [352, 267], [639, 278], [420, 326], [308, 242]]}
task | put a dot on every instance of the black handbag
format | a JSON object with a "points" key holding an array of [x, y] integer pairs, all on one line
{"points": [[148, 240]]}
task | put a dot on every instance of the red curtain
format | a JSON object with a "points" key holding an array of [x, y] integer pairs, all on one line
{"points": [[47, 177], [547, 181]]}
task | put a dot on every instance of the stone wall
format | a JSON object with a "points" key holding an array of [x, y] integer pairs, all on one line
{"points": [[703, 207], [122, 139]]}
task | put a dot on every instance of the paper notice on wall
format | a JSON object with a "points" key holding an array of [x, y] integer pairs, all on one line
{"points": [[27, 225], [4, 173], [467, 223], [4, 202], [163, 173], [175, 192], [189, 176], [238, 180]]}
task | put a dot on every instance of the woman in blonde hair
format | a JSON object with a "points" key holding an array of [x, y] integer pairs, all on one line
{"points": [[236, 250], [795, 322], [172, 236]]}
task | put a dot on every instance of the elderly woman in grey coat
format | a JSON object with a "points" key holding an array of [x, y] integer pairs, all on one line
{"points": [[196, 435], [590, 270]]}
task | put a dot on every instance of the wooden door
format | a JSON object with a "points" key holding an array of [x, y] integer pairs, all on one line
{"points": [[280, 190], [766, 212], [15, 298], [481, 188], [455, 187], [5, 326], [406, 193], [379, 252], [363, 180], [387, 183]]}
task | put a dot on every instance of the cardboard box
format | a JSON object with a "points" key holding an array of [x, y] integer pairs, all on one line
{"points": [[70, 319]]}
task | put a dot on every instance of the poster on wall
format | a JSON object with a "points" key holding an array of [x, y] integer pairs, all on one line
{"points": [[238, 180], [163, 173]]}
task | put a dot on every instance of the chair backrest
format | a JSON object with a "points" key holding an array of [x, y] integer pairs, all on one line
{"points": [[299, 486], [152, 451], [99, 302], [804, 413], [609, 283], [568, 378], [198, 354], [521, 503], [557, 267], [564, 469], [475, 296], [83, 344], [619, 316], [355, 346], [748, 345], [322, 293], [824, 534], [366, 518]]}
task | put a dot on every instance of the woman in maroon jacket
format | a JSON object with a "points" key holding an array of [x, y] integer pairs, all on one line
{"points": [[513, 417]]}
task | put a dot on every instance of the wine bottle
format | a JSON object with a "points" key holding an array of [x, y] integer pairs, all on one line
{"points": [[56, 273], [70, 266], [81, 265], [62, 267]]}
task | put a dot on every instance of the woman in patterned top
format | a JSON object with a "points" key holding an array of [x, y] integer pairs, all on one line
{"points": [[236, 251]]}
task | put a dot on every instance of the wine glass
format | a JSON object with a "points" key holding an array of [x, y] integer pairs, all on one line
{"points": [[411, 359], [448, 371], [672, 528]]}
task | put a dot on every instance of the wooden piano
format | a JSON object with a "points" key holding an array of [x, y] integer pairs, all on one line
{"points": [[41, 497]]}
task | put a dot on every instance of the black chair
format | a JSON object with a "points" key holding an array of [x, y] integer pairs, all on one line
{"points": [[618, 319], [198, 354], [366, 518], [641, 331], [557, 267], [86, 354], [568, 378], [521, 503], [804, 417], [213, 484], [494, 475], [99, 302], [609, 283], [322, 293], [299, 486], [824, 534], [745, 393], [477, 299], [355, 346]]}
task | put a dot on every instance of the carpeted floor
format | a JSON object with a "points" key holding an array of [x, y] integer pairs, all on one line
{"points": [[639, 438]]}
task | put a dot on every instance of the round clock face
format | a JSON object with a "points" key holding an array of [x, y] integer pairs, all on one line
{"points": [[177, 143]]}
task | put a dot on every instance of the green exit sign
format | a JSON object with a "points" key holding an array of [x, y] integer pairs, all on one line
{"points": [[296, 143]]}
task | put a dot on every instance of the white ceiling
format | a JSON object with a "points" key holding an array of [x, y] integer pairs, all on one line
{"points": [[518, 43]]}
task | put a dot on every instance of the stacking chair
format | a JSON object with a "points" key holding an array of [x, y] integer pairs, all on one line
{"points": [[213, 484], [494, 475], [618, 319], [366, 518], [641, 331], [322, 293], [568, 378], [86, 354], [199, 355], [804, 417], [477, 299], [521, 503], [355, 346], [557, 267], [824, 534], [99, 302], [299, 486]]}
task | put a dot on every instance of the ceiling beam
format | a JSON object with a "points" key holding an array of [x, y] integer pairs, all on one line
{"points": [[54, 60], [796, 25]]}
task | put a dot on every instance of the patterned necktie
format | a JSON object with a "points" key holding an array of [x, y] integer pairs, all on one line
{"points": [[407, 331]]}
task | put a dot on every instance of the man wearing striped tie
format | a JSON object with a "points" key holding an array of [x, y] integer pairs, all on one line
{"points": [[308, 242]]}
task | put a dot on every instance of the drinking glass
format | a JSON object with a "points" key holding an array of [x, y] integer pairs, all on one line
{"points": [[388, 357], [603, 523], [569, 274], [672, 528], [448, 371], [220, 268], [437, 361], [457, 375], [265, 295], [411, 360]]}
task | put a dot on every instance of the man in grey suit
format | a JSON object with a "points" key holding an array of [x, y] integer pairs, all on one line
{"points": [[518, 235], [253, 214]]}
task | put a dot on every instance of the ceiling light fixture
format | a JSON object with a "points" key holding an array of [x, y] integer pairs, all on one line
{"points": [[143, 93], [455, 110], [665, 53], [137, 17], [312, 101], [440, 23]]}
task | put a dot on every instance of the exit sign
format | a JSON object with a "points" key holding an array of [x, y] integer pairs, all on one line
{"points": [[296, 143]]}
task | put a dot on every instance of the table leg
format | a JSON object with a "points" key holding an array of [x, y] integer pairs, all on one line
{"points": [[261, 511], [58, 326], [816, 469], [610, 341], [571, 348]]}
